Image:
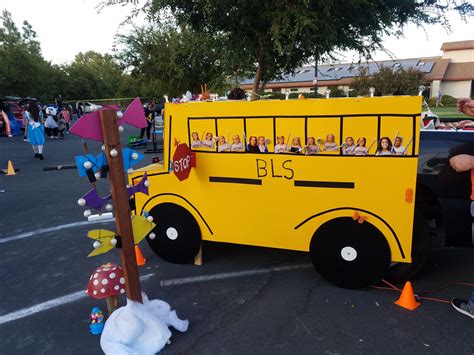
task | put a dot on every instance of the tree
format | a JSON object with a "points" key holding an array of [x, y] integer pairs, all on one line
{"points": [[269, 38], [171, 60], [388, 82]]}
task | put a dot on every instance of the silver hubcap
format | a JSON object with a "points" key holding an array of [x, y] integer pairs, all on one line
{"points": [[172, 233], [349, 253]]}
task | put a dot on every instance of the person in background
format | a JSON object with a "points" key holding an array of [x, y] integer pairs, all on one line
{"points": [[150, 119], [66, 115], [461, 163], [24, 114], [50, 125], [35, 130], [6, 120]]}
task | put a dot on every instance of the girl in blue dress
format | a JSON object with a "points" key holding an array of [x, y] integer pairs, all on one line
{"points": [[35, 130]]}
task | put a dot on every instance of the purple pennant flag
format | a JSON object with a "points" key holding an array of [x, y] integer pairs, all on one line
{"points": [[140, 187], [134, 115], [93, 200], [88, 126]]}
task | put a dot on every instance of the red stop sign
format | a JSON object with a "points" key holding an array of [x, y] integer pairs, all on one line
{"points": [[183, 160]]}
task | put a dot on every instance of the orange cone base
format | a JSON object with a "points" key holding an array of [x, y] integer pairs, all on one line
{"points": [[139, 256], [407, 298]]}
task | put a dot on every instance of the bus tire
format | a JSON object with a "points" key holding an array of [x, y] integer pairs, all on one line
{"points": [[177, 234], [420, 252], [350, 254]]}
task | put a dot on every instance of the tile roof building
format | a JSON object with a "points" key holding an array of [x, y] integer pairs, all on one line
{"points": [[452, 73]]}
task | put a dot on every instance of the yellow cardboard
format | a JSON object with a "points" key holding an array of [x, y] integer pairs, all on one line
{"points": [[141, 228], [274, 211], [104, 236]]}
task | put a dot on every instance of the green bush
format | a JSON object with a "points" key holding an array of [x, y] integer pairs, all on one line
{"points": [[307, 95], [448, 100], [432, 101]]}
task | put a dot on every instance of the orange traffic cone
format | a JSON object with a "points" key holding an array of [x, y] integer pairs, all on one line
{"points": [[10, 169], [138, 254], [407, 298]]}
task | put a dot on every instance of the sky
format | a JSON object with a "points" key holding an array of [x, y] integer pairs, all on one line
{"points": [[67, 27]]}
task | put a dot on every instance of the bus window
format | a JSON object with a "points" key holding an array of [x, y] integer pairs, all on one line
{"points": [[290, 129], [232, 130], [262, 128], [358, 128], [392, 126], [202, 133], [326, 130]]}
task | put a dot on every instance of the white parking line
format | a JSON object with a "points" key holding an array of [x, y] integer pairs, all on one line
{"points": [[51, 229], [72, 297]]}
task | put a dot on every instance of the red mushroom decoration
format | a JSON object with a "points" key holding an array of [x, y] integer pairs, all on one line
{"points": [[108, 282]]}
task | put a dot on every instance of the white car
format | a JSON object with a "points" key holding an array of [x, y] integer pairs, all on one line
{"points": [[88, 106]]}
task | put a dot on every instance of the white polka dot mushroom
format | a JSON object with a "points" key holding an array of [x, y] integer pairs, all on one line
{"points": [[107, 282]]}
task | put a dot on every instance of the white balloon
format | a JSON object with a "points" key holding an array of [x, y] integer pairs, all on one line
{"points": [[130, 171], [119, 114], [113, 241], [146, 183], [120, 128], [96, 244], [87, 165], [113, 152], [81, 202], [152, 236], [87, 213], [97, 175], [134, 156], [108, 207], [149, 218], [103, 147]]}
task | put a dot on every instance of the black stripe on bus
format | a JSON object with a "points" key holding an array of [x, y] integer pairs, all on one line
{"points": [[233, 180], [325, 184]]}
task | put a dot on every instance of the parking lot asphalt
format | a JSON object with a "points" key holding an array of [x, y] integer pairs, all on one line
{"points": [[241, 300]]}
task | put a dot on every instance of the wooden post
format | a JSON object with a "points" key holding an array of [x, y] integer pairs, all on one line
{"points": [[108, 121]]}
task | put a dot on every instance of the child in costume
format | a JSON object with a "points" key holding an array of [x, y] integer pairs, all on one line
{"points": [[61, 126], [295, 145], [236, 145], [50, 125], [196, 142], [223, 146], [281, 147], [360, 148], [397, 148], [311, 147], [66, 115], [262, 144], [384, 147], [330, 145], [208, 142], [349, 146], [252, 147], [35, 131]]}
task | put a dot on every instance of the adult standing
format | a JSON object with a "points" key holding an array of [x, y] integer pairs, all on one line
{"points": [[35, 130], [150, 117], [462, 163]]}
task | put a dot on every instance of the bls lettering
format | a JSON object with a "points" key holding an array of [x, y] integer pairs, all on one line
{"points": [[282, 171]]}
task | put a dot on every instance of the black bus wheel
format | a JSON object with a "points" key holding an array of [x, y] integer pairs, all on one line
{"points": [[350, 254], [177, 234], [420, 252]]}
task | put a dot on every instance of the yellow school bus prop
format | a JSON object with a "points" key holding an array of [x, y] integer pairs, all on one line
{"points": [[353, 213]]}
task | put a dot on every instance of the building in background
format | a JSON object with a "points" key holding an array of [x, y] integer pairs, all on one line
{"points": [[452, 73]]}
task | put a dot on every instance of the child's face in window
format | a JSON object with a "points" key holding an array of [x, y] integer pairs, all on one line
{"points": [[295, 141], [362, 142], [311, 141], [384, 143], [195, 136], [253, 140], [261, 140], [209, 136], [236, 139], [221, 140], [349, 141], [281, 140], [330, 138], [398, 142]]}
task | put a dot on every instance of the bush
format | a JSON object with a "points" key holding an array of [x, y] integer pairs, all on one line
{"points": [[448, 100], [336, 92], [432, 101], [307, 95]]}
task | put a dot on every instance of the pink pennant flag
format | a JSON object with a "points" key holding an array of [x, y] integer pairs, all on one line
{"points": [[134, 115], [88, 126]]}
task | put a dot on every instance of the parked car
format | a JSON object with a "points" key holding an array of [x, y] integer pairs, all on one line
{"points": [[87, 106]]}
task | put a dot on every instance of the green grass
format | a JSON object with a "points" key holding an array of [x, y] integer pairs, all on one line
{"points": [[449, 112]]}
